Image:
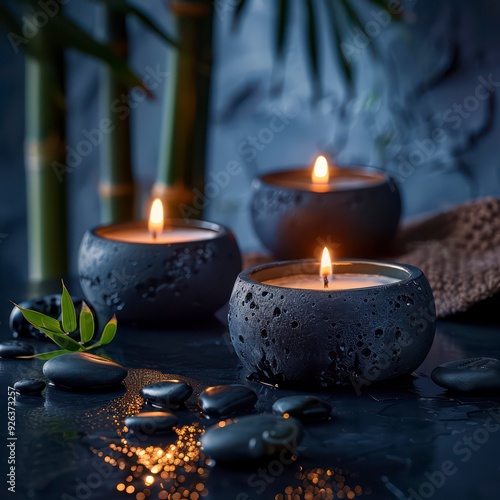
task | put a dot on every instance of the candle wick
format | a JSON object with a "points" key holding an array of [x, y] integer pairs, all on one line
{"points": [[325, 281], [154, 235]]}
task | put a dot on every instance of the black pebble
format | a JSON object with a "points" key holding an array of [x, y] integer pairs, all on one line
{"points": [[14, 348], [171, 393], [48, 304], [469, 375], [152, 422], [227, 400], [303, 407], [83, 371], [30, 387], [252, 437]]}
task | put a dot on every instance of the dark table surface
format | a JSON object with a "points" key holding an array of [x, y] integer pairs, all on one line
{"points": [[409, 439]]}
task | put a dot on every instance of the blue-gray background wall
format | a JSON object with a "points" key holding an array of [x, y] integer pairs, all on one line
{"points": [[426, 109]]}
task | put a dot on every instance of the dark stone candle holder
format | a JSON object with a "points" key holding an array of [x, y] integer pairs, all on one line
{"points": [[296, 337], [357, 214], [152, 283]]}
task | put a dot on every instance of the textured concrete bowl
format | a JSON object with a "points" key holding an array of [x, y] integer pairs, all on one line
{"points": [[294, 337], [358, 220], [156, 282]]}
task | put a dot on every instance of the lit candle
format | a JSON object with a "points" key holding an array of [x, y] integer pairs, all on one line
{"points": [[155, 233], [294, 209], [159, 269], [327, 281], [323, 178]]}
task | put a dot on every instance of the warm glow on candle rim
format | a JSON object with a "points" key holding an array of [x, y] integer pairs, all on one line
{"points": [[321, 172]]}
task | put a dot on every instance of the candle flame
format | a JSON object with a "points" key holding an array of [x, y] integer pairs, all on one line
{"points": [[155, 223], [321, 171], [326, 269]]}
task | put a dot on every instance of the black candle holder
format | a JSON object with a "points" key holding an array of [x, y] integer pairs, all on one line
{"points": [[296, 337], [156, 282], [358, 218]]}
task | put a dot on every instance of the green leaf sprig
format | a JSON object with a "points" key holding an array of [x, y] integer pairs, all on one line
{"points": [[58, 331]]}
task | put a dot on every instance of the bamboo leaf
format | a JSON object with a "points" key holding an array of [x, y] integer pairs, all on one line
{"points": [[281, 28], [312, 46], [238, 11], [108, 334], [86, 324], [64, 32], [15, 34], [40, 320], [62, 340], [356, 22], [396, 13], [68, 314], [337, 43], [126, 8]]}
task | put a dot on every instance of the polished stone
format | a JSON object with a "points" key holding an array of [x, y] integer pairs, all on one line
{"points": [[253, 437], [171, 393], [468, 375], [48, 304], [152, 422], [83, 371], [14, 348], [31, 387], [303, 407], [227, 400]]}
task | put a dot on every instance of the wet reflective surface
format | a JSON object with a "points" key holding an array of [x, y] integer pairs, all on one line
{"points": [[407, 439]]}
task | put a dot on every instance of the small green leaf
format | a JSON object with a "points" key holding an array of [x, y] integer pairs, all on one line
{"points": [[39, 320], [67, 311], [86, 324], [62, 340], [108, 334], [46, 355]]}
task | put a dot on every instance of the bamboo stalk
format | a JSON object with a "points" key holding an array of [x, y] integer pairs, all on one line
{"points": [[116, 183], [182, 159], [45, 161]]}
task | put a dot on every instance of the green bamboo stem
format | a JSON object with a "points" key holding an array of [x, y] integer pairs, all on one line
{"points": [[116, 183], [182, 158], [44, 155]]}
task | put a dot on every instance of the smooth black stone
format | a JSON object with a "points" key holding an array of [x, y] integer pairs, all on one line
{"points": [[253, 437], [171, 393], [151, 422], [227, 400], [31, 386], [303, 407], [468, 375], [83, 371], [48, 304], [14, 348]]}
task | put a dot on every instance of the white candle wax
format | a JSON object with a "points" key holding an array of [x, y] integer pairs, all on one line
{"points": [[335, 282], [173, 235]]}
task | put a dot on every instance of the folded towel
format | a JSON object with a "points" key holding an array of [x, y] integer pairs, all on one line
{"points": [[459, 253]]}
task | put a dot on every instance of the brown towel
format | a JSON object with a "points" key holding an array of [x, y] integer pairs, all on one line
{"points": [[458, 251]]}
